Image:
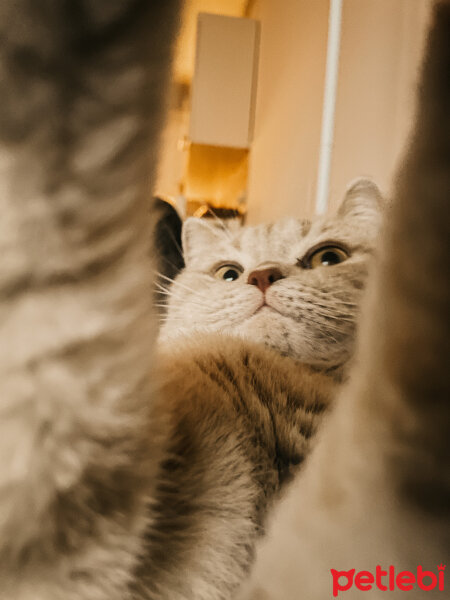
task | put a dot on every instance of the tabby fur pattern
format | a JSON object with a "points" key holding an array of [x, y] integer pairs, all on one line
{"points": [[94, 445]]}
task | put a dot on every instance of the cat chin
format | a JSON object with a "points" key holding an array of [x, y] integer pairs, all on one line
{"points": [[282, 333], [288, 337], [269, 327], [265, 321]]}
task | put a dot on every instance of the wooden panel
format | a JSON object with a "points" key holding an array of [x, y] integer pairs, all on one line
{"points": [[224, 81], [216, 176]]}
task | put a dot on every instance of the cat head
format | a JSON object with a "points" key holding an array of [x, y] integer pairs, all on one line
{"points": [[295, 285]]}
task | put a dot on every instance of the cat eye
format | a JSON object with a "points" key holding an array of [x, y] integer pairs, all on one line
{"points": [[324, 256], [228, 272]]}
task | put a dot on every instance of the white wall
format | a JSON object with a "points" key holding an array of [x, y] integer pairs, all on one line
{"points": [[381, 45], [285, 148]]}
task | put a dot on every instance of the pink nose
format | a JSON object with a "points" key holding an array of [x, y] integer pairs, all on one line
{"points": [[264, 278]]}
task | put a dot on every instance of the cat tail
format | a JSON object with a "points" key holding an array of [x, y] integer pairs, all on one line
{"points": [[83, 87]]}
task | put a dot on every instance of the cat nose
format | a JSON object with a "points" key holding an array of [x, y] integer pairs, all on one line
{"points": [[263, 278]]}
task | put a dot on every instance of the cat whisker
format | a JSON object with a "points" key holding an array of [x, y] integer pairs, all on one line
{"points": [[315, 294], [175, 282], [171, 263], [323, 301], [170, 232], [335, 299], [221, 224], [334, 324], [162, 305], [202, 305], [163, 290], [334, 317]]}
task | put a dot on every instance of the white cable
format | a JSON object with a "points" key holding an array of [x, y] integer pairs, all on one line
{"points": [[329, 105]]}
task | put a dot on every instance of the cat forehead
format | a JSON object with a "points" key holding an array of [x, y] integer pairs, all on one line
{"points": [[246, 245], [282, 241], [279, 240], [275, 238]]}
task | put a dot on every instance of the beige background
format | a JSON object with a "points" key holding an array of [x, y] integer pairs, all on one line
{"points": [[381, 45], [221, 106]]}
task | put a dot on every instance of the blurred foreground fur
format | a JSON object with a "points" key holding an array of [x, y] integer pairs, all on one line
{"points": [[376, 491], [82, 87]]}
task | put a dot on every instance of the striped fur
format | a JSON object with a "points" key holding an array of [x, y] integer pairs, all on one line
{"points": [[114, 486], [242, 419], [82, 86]]}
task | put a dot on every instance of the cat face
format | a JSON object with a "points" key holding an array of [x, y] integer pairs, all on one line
{"points": [[295, 285]]}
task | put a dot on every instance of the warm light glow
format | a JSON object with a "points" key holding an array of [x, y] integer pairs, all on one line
{"points": [[216, 176], [185, 49]]}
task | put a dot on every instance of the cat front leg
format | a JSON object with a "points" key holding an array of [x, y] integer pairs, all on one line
{"points": [[376, 492], [82, 88]]}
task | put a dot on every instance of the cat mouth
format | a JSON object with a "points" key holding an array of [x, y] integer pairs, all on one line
{"points": [[265, 307]]}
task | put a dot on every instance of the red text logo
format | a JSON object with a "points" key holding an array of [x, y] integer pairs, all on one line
{"points": [[388, 580]]}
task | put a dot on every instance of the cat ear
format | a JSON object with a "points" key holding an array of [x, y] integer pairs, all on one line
{"points": [[362, 199], [199, 235]]}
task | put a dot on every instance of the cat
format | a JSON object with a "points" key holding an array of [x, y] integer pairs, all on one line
{"points": [[238, 392], [309, 313], [84, 86], [84, 434], [165, 247]]}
